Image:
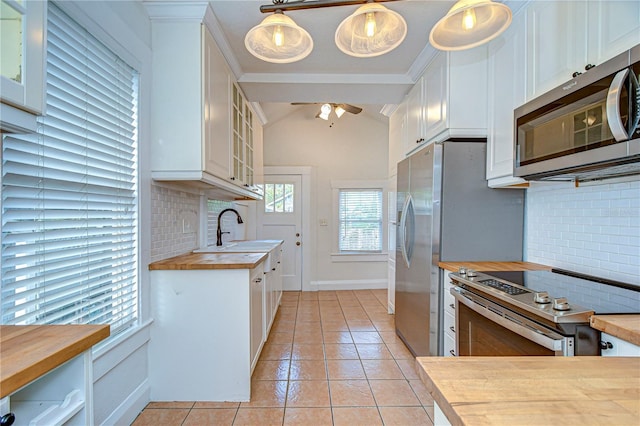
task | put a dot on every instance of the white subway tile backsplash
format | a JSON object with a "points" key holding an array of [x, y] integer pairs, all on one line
{"points": [[591, 229]]}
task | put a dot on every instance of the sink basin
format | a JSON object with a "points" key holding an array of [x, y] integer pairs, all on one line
{"points": [[248, 246]]}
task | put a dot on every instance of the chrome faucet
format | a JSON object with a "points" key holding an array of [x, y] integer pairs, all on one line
{"points": [[219, 231]]}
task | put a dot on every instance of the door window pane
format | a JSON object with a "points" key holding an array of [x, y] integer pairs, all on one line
{"points": [[278, 198]]}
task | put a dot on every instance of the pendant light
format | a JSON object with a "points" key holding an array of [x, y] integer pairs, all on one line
{"points": [[470, 23], [279, 40], [372, 30]]}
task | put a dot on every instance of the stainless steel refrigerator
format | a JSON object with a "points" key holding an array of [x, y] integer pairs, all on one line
{"points": [[446, 212]]}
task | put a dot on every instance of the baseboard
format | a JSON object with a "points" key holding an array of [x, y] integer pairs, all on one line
{"points": [[133, 404], [349, 285]]}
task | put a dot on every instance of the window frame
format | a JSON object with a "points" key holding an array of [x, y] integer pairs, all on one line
{"points": [[357, 256]]}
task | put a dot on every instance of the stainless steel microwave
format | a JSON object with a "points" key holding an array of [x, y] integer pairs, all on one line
{"points": [[585, 129]]}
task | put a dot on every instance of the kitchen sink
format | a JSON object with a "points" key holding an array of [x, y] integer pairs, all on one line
{"points": [[247, 246]]}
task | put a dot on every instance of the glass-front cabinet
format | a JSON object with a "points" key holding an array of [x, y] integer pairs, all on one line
{"points": [[22, 44], [242, 140]]}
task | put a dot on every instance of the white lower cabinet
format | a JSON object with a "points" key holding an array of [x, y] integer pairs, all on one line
{"points": [[618, 347], [449, 317], [207, 333]]}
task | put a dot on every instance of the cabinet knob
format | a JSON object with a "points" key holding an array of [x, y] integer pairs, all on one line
{"points": [[605, 345], [452, 352], [452, 329], [588, 67], [298, 243], [575, 74], [232, 178], [7, 419]]}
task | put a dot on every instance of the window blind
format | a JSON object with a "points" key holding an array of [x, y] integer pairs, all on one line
{"points": [[360, 220], [69, 192]]}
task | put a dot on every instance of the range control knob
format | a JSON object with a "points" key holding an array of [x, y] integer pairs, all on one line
{"points": [[561, 304], [541, 297]]}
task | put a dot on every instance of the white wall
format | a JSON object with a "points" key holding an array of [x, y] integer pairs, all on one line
{"points": [[353, 148], [593, 229]]}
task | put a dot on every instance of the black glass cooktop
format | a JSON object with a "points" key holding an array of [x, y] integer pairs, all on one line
{"points": [[601, 295]]}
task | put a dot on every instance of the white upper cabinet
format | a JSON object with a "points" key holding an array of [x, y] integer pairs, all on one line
{"points": [[397, 137], [22, 60], [449, 100], [506, 92], [566, 37], [193, 129]]}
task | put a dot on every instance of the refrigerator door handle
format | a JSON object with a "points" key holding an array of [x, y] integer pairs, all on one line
{"points": [[407, 221]]}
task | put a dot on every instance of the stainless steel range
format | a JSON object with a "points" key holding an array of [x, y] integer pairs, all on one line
{"points": [[534, 312]]}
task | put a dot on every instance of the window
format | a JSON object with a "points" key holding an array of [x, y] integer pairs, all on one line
{"points": [[278, 197], [69, 192], [360, 220]]}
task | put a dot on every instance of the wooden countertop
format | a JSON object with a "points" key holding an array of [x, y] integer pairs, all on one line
{"points": [[194, 261], [625, 327], [535, 390], [494, 266], [29, 351]]}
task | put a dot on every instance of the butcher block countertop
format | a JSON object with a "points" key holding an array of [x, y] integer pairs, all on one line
{"points": [[625, 327], [30, 351], [494, 266], [194, 261], [535, 390]]}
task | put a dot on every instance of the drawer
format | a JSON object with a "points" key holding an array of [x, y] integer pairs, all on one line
{"points": [[449, 324], [449, 345]]}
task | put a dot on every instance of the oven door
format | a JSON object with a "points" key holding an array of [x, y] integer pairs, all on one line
{"points": [[484, 328]]}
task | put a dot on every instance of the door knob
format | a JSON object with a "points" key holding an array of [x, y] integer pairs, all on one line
{"points": [[298, 243]]}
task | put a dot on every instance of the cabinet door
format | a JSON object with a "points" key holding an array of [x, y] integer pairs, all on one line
{"points": [[556, 43], [415, 116], [216, 84], [614, 26], [618, 347], [257, 316], [22, 60], [506, 92], [436, 96]]}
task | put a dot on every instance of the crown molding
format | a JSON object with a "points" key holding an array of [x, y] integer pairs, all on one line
{"points": [[175, 10]]}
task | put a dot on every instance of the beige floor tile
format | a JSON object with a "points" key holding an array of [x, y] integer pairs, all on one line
{"points": [[337, 337], [275, 351], [327, 295], [213, 404], [307, 337], [308, 416], [366, 337], [334, 325], [346, 302], [282, 326], [308, 393], [344, 369], [382, 369], [309, 295], [259, 416], [403, 416], [307, 370], [161, 416], [373, 351], [390, 337], [340, 351], [360, 325], [421, 391], [307, 351], [393, 393], [170, 404], [399, 351], [267, 393], [356, 416], [384, 325], [210, 417], [408, 367], [351, 393], [280, 337], [271, 370]]}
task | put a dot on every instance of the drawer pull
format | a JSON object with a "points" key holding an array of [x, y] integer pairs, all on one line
{"points": [[452, 352], [452, 306], [452, 329]]}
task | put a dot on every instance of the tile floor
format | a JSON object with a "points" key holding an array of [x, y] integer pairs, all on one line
{"points": [[332, 358]]}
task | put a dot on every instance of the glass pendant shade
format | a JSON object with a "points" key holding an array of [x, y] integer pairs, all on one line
{"points": [[470, 23], [279, 40], [325, 110], [372, 30]]}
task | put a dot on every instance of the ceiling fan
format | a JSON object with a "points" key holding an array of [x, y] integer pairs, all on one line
{"points": [[326, 109]]}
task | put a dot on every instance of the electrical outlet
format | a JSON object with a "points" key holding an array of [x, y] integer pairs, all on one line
{"points": [[187, 227]]}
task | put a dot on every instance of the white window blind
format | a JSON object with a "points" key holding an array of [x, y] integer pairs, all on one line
{"points": [[360, 220], [69, 194]]}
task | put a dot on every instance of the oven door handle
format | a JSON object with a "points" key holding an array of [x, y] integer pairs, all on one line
{"points": [[523, 327]]}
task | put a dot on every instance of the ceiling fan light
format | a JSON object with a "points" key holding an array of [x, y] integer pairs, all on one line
{"points": [[470, 23], [279, 40], [388, 29], [339, 111]]}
